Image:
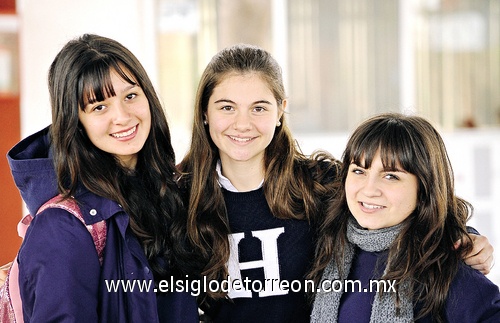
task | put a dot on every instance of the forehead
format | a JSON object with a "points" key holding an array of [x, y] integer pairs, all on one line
{"points": [[242, 85], [385, 157]]}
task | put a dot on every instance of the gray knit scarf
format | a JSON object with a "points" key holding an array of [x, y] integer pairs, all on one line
{"points": [[326, 304]]}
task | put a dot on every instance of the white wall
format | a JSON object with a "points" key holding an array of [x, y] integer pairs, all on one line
{"points": [[45, 26]]}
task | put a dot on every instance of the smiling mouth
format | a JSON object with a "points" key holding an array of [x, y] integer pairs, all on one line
{"points": [[238, 139], [125, 133], [371, 206]]}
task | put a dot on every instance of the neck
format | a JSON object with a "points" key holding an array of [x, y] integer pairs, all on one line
{"points": [[244, 175], [128, 162], [372, 240]]}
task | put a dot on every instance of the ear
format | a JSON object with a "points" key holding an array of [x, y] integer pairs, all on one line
{"points": [[283, 107]]}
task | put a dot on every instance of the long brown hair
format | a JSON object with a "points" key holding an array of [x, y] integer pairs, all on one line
{"points": [[423, 253], [81, 71], [294, 184]]}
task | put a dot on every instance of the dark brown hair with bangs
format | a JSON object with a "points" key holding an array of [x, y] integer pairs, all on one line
{"points": [[80, 74], [423, 253]]}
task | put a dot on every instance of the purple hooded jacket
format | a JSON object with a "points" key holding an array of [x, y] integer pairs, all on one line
{"points": [[60, 277]]}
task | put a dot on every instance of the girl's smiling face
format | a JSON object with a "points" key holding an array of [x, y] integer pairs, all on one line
{"points": [[120, 124], [242, 115], [380, 198]]}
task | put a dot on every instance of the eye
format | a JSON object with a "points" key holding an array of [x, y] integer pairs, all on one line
{"points": [[259, 109], [227, 108], [98, 107], [391, 176], [131, 96], [357, 170]]}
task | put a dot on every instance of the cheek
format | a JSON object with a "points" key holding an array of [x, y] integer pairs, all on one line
{"points": [[213, 134], [88, 125], [350, 193], [218, 127], [350, 186], [215, 131], [271, 124], [408, 204], [144, 111], [96, 129], [148, 119], [215, 127]]}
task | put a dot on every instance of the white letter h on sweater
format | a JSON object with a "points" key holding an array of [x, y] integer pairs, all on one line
{"points": [[269, 262]]}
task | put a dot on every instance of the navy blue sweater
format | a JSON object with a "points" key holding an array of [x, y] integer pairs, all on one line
{"points": [[265, 247], [472, 297]]}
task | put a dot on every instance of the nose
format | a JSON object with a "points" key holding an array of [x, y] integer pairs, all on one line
{"points": [[242, 121], [371, 187], [121, 114]]}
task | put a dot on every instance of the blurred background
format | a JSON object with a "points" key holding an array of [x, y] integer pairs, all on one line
{"points": [[343, 61]]}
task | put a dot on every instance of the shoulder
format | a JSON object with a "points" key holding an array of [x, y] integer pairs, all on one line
{"points": [[472, 297], [67, 227], [55, 240], [53, 219], [473, 281], [52, 227]]}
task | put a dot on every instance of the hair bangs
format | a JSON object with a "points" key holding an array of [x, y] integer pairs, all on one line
{"points": [[94, 84], [391, 140]]}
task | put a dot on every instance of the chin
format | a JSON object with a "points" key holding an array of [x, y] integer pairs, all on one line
{"points": [[369, 225]]}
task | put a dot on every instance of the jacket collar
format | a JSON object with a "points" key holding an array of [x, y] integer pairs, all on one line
{"points": [[95, 208]]}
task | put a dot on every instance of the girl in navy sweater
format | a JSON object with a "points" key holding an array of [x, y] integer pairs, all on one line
{"points": [[251, 194]]}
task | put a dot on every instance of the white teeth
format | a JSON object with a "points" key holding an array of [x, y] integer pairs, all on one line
{"points": [[124, 134], [371, 206], [240, 139]]}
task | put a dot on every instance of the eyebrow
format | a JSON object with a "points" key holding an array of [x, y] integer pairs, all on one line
{"points": [[231, 101], [128, 88], [398, 170]]}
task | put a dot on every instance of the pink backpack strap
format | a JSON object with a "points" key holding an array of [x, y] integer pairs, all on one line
{"points": [[11, 309], [96, 230], [9, 312], [10, 304]]}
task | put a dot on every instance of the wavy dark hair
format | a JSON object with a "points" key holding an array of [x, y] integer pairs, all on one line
{"points": [[79, 74], [294, 184], [423, 254]]}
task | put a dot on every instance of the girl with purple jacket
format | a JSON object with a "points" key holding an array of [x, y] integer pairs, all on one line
{"points": [[109, 149]]}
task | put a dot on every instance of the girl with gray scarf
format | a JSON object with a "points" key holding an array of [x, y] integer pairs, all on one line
{"points": [[386, 249]]}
